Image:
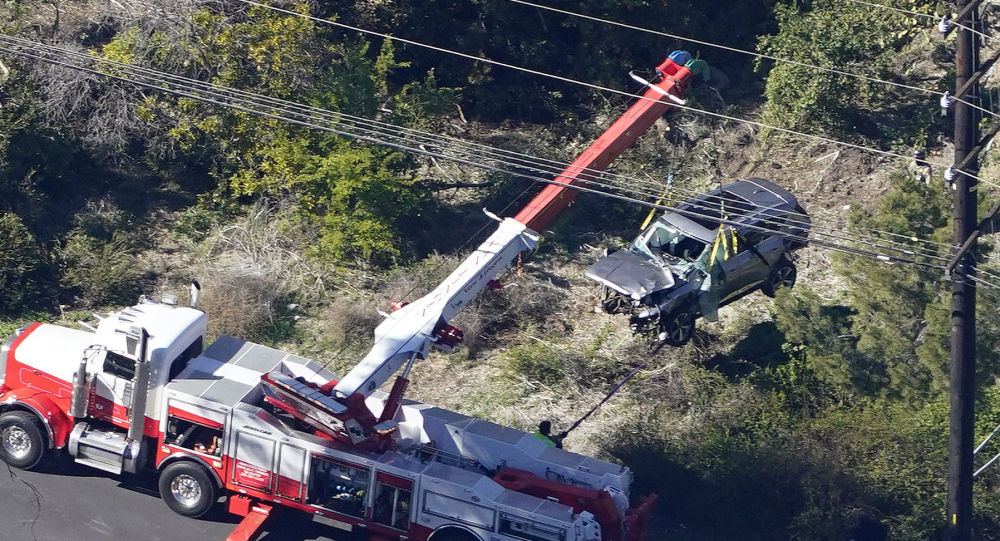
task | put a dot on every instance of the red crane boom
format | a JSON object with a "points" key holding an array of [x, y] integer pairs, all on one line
{"points": [[552, 200]]}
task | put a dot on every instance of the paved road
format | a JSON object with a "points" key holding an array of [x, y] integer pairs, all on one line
{"points": [[63, 501]]}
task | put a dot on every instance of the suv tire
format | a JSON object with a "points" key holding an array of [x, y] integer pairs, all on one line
{"points": [[782, 275], [677, 327]]}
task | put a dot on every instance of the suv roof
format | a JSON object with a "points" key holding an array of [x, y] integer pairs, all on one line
{"points": [[743, 201]]}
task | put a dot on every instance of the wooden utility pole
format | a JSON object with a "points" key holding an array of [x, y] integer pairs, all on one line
{"points": [[963, 293]]}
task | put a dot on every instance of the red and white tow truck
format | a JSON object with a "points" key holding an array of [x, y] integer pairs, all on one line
{"points": [[268, 429]]}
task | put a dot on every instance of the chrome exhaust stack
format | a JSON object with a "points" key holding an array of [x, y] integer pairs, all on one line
{"points": [[195, 293], [140, 390], [80, 399]]}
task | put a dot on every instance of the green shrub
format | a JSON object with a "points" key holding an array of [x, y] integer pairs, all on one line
{"points": [[844, 37], [101, 218], [536, 361], [196, 222], [96, 272], [21, 265]]}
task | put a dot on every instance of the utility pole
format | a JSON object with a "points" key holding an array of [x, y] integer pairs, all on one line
{"points": [[963, 293]]}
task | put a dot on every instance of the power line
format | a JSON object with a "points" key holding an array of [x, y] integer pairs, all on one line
{"points": [[875, 242], [806, 65], [729, 48], [918, 14], [893, 8], [344, 130], [433, 140], [595, 86], [385, 36]]}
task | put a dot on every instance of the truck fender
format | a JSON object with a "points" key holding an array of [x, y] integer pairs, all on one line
{"points": [[57, 424], [190, 457], [453, 532]]}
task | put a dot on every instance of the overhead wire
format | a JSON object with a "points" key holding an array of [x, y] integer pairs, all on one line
{"points": [[395, 144], [594, 86], [728, 48], [535, 72], [893, 8], [430, 139], [907, 250], [918, 14], [937, 93]]}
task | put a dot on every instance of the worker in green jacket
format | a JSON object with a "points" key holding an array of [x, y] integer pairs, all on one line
{"points": [[544, 433]]}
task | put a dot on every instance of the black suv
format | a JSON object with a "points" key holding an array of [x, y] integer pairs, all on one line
{"points": [[686, 266]]}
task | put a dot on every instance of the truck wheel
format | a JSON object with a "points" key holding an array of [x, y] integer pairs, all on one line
{"points": [[188, 489], [453, 534], [677, 327], [22, 439], [782, 275]]}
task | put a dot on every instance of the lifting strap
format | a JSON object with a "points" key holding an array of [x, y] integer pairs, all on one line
{"points": [[615, 389]]}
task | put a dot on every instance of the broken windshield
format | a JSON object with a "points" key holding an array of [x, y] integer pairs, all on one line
{"points": [[664, 243]]}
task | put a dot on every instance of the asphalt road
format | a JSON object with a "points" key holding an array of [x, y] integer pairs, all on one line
{"points": [[63, 501]]}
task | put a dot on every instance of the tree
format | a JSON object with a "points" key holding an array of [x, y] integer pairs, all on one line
{"points": [[22, 265], [888, 335], [362, 198], [848, 38]]}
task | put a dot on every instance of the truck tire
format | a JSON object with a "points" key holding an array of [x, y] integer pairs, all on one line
{"points": [[677, 327], [188, 489], [453, 534], [782, 275], [22, 439]]}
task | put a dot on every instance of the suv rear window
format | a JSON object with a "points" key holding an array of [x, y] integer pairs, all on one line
{"points": [[710, 209]]}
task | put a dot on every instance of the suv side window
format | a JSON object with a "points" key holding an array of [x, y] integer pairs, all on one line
{"points": [[751, 238]]}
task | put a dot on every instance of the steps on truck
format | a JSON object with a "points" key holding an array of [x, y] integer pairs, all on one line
{"points": [[108, 450]]}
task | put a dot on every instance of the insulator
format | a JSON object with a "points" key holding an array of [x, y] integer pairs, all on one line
{"points": [[950, 174], [944, 25], [946, 102]]}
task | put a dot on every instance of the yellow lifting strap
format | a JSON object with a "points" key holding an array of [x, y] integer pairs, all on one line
{"points": [[652, 211], [727, 244]]}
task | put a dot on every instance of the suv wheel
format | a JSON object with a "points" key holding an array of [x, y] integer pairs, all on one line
{"points": [[782, 275], [677, 327]]}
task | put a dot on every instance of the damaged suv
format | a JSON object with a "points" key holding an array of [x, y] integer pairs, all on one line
{"points": [[706, 253]]}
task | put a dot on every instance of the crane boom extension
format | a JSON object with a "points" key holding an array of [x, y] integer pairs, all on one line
{"points": [[410, 331], [552, 200]]}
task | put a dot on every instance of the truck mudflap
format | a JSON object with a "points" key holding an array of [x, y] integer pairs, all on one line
{"points": [[57, 424], [637, 518]]}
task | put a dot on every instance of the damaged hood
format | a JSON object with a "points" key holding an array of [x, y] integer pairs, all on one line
{"points": [[630, 274]]}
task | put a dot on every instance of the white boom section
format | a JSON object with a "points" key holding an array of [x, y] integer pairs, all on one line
{"points": [[409, 331]]}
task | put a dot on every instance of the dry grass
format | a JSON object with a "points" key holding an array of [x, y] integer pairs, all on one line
{"points": [[249, 271], [239, 299]]}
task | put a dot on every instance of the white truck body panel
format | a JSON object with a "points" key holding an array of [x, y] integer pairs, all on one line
{"points": [[269, 452], [409, 331]]}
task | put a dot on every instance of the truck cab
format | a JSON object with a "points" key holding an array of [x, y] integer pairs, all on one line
{"points": [[78, 389]]}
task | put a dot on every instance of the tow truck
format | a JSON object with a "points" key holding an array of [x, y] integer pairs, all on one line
{"points": [[268, 430]]}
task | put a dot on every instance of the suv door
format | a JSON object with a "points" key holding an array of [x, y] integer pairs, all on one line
{"points": [[768, 250], [739, 269]]}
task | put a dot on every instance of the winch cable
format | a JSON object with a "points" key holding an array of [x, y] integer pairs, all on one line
{"points": [[614, 390]]}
